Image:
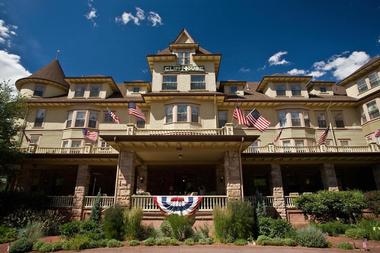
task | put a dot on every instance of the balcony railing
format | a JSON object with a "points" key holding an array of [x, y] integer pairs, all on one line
{"points": [[312, 149], [105, 201], [61, 201], [34, 149], [146, 203]]}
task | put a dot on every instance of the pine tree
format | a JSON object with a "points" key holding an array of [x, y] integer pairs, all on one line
{"points": [[96, 209]]}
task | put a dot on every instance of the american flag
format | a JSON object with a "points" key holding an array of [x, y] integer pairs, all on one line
{"points": [[239, 116], [134, 110], [91, 135], [377, 133], [322, 138], [114, 117], [255, 119], [278, 136]]}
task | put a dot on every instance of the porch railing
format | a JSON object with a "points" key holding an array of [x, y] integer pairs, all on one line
{"points": [[312, 149], [146, 203], [34, 149], [105, 201], [268, 200], [289, 201], [61, 201]]}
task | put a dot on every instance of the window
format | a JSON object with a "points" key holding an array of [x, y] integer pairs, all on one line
{"points": [[295, 116], [181, 113], [286, 143], [40, 117], [141, 123], [93, 119], [306, 119], [344, 142], [363, 117], [76, 144], [65, 144], [184, 57], [222, 118], [79, 91], [69, 119], [136, 89], [107, 117], [362, 86], [282, 118], [321, 117], [198, 82], [323, 89], [194, 114], [169, 113], [299, 143], [374, 79], [94, 90], [38, 91], [233, 89], [373, 110], [296, 90], [34, 138], [169, 82], [339, 121], [280, 90], [80, 119]]}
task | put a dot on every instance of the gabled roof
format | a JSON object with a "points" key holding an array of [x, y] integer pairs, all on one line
{"points": [[363, 70], [52, 72], [183, 37]]}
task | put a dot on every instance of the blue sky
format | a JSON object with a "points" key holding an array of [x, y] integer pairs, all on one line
{"points": [[326, 39]]}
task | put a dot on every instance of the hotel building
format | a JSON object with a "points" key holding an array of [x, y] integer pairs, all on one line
{"points": [[190, 142]]}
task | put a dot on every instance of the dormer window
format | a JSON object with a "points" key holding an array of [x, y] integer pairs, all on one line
{"points": [[296, 90], [362, 85], [323, 89], [94, 90], [169, 82], [374, 79], [79, 91], [38, 91], [184, 57], [233, 89], [136, 89], [280, 90], [198, 82]]}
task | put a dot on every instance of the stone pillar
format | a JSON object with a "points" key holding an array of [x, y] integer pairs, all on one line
{"points": [[278, 190], [232, 177], [220, 179], [126, 178], [142, 179], [81, 189], [376, 175], [329, 179]]}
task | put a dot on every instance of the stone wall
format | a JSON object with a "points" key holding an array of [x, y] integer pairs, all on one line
{"points": [[125, 178], [81, 189], [278, 190], [233, 177]]}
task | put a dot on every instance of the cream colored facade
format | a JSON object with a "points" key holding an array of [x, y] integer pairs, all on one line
{"points": [[190, 134]]}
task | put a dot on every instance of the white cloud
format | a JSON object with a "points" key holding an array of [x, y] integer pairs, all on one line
{"points": [[91, 14], [344, 64], [244, 70], [126, 17], [277, 58], [6, 31], [295, 72], [154, 18], [378, 39], [316, 73], [11, 68], [140, 13]]}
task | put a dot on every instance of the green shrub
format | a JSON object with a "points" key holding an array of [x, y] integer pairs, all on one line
{"points": [[70, 229], [113, 224], [37, 245], [289, 242], [89, 226], [181, 226], [311, 237], [166, 229], [274, 227], [32, 231], [333, 228], [240, 242], [7, 234], [373, 201], [174, 242], [372, 227], [79, 242], [149, 242], [235, 222], [205, 241], [345, 245], [21, 245], [357, 233], [96, 209], [114, 243], [201, 232], [134, 243], [189, 242], [329, 205], [132, 222], [163, 241], [264, 240], [50, 247]]}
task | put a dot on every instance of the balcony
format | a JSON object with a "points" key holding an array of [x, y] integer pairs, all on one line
{"points": [[34, 149], [373, 147]]}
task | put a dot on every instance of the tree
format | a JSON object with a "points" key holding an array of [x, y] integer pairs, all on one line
{"points": [[12, 109], [96, 209]]}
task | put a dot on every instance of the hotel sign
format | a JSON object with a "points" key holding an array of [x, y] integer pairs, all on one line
{"points": [[184, 68]]}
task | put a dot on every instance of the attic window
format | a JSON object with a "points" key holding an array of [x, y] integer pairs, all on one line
{"points": [[322, 89], [94, 90], [79, 90], [136, 89], [184, 57], [38, 91], [233, 89]]}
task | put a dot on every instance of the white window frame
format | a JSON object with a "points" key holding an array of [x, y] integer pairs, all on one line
{"points": [[374, 79], [362, 85], [40, 123], [297, 90], [79, 87], [39, 88], [169, 85], [375, 110], [98, 87], [278, 90], [198, 84]]}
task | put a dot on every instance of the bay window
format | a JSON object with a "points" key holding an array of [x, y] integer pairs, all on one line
{"points": [[373, 110], [222, 118], [181, 113], [282, 118], [306, 119], [80, 119], [321, 117], [194, 114], [69, 118], [338, 117], [40, 117], [296, 120], [93, 119], [169, 113]]}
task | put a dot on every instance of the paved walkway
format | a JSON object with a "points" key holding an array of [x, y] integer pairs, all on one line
{"points": [[216, 249]]}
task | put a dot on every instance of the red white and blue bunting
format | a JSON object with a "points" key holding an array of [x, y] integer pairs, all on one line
{"points": [[181, 205]]}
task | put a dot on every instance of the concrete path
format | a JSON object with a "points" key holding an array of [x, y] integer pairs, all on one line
{"points": [[216, 249]]}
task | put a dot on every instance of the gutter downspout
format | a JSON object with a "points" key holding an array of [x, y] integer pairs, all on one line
{"points": [[241, 170]]}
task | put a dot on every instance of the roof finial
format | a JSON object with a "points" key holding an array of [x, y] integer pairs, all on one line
{"points": [[57, 54]]}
